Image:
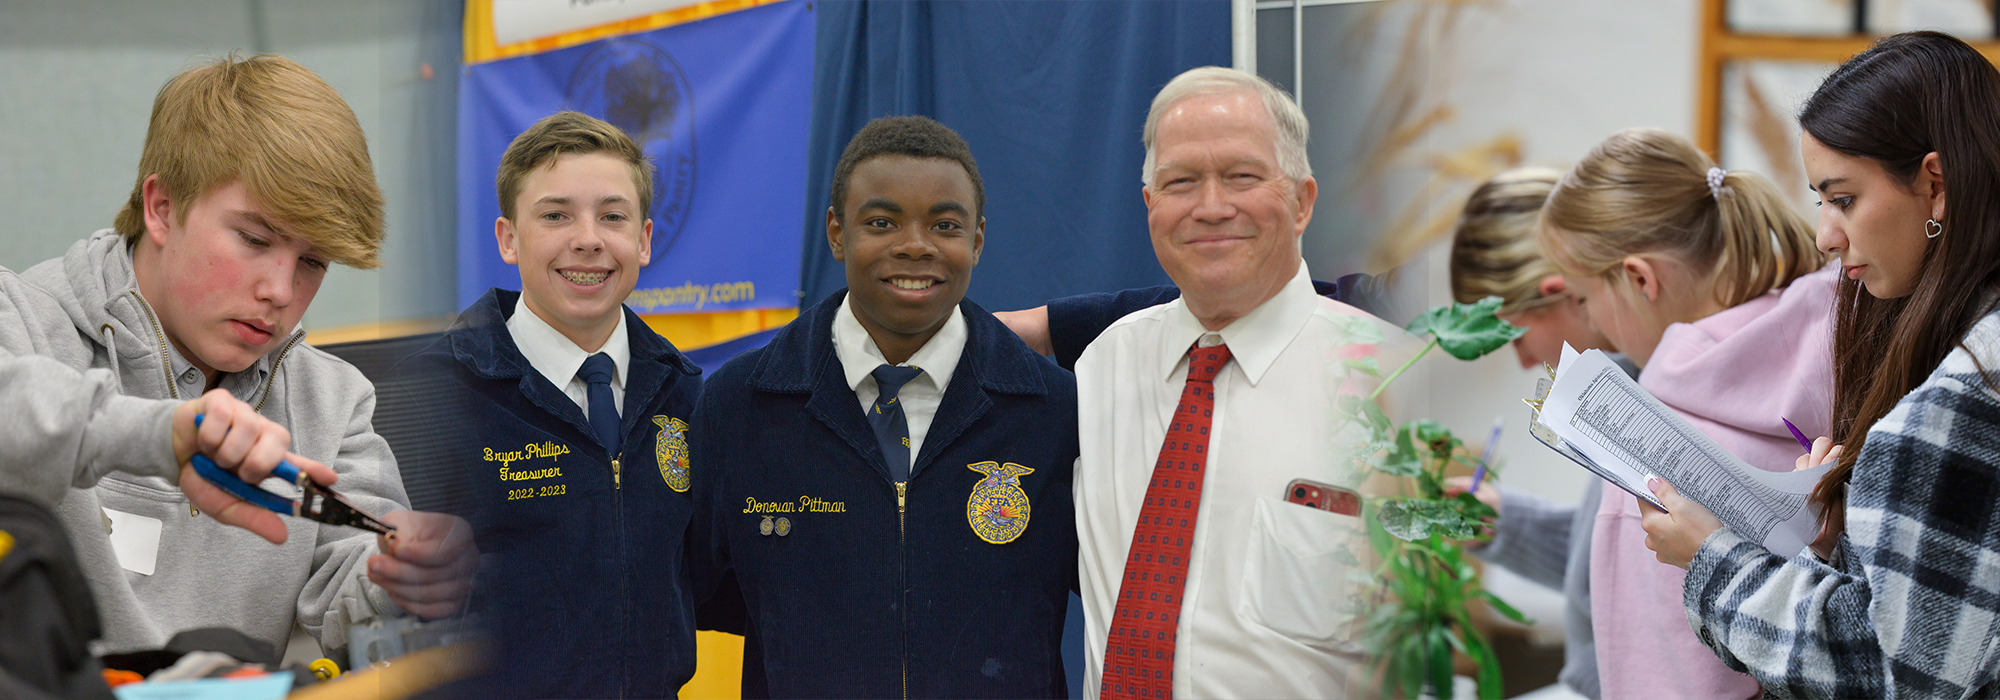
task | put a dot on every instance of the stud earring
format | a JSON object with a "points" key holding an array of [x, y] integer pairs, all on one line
{"points": [[1932, 229]]}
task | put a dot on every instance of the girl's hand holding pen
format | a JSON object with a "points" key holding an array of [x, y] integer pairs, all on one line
{"points": [[1823, 452]]}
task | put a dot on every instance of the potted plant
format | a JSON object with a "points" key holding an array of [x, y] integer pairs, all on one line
{"points": [[1418, 614]]}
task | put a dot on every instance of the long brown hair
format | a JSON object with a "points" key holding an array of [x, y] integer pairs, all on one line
{"points": [[1904, 98]]}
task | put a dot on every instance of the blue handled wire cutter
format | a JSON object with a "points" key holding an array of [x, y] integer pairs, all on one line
{"points": [[315, 502]]}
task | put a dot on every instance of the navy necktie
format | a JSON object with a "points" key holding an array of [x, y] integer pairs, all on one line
{"points": [[596, 374], [892, 429]]}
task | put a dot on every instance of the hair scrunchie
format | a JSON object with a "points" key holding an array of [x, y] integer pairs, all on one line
{"points": [[1715, 176]]}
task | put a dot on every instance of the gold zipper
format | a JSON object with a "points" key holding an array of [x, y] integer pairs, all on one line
{"points": [[166, 364], [272, 380], [166, 356], [615, 482], [903, 538]]}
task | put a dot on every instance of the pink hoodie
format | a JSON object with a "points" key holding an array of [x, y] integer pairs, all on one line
{"points": [[1732, 375]]}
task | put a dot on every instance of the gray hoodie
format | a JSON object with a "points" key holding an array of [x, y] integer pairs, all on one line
{"points": [[97, 425]]}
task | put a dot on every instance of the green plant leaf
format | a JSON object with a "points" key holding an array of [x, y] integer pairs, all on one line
{"points": [[1378, 538], [1403, 521], [1436, 437], [1372, 415], [1455, 527], [1413, 665], [1360, 330], [1467, 331], [1481, 651], [1415, 519], [1440, 662], [1501, 606], [1472, 507], [1429, 430], [1365, 365], [1400, 458]]}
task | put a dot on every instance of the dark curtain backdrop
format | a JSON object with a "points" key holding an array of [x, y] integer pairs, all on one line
{"points": [[1051, 96]]}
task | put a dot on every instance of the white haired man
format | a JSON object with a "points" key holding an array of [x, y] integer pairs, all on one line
{"points": [[1197, 417]]}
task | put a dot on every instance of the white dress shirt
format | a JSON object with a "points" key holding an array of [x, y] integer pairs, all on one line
{"points": [[938, 358], [1268, 609], [558, 358]]}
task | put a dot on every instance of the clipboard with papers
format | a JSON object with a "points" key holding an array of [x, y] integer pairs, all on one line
{"points": [[1591, 412], [1549, 439]]}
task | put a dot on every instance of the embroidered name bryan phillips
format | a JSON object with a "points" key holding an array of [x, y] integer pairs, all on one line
{"points": [[550, 449]]}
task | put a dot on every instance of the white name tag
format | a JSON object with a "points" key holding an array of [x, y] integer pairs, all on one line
{"points": [[135, 539]]}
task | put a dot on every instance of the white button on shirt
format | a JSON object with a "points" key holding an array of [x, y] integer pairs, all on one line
{"points": [[558, 358], [1267, 611], [938, 358]]}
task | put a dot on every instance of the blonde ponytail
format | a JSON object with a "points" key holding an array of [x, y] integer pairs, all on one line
{"points": [[1493, 250], [1766, 242], [1647, 191]]}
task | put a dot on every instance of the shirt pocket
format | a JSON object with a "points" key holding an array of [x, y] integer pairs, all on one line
{"points": [[1297, 573]]}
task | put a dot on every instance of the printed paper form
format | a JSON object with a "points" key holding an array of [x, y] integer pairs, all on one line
{"points": [[1599, 411], [1620, 475]]}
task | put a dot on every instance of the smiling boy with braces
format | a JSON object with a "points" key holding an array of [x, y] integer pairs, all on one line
{"points": [[566, 418]]}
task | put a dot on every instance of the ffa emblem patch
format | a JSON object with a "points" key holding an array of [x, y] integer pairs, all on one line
{"points": [[998, 508], [784, 526], [670, 451]]}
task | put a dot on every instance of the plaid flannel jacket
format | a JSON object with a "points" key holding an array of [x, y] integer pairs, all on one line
{"points": [[1913, 609]]}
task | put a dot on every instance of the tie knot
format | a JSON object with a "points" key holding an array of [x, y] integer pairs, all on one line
{"points": [[1205, 363], [891, 378], [596, 369]]}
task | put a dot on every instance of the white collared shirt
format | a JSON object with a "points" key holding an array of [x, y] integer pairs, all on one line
{"points": [[558, 358], [1265, 613], [938, 358]]}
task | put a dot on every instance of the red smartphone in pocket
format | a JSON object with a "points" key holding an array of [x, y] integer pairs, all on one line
{"points": [[1326, 497]]}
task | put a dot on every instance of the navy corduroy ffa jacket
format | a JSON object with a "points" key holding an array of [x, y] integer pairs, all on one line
{"points": [[589, 594], [853, 586]]}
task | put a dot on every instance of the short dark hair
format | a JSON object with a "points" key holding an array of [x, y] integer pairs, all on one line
{"points": [[576, 134], [913, 136]]}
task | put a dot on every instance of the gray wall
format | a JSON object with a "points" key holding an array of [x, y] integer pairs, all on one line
{"points": [[77, 80]]}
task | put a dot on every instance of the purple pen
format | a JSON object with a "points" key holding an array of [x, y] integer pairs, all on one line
{"points": [[1492, 440], [1803, 442]]}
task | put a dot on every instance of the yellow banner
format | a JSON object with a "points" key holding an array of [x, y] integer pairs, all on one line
{"points": [[481, 46], [700, 330]]}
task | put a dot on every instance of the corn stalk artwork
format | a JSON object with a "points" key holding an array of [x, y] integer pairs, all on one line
{"points": [[1418, 613]]}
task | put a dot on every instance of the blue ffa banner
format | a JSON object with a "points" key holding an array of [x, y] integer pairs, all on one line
{"points": [[721, 106]]}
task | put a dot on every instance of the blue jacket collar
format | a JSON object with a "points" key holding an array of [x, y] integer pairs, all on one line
{"points": [[480, 340], [994, 357], [800, 360]]}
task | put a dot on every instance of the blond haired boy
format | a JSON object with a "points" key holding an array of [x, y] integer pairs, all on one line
{"points": [[255, 178]]}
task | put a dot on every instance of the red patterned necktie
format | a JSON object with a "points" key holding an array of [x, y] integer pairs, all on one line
{"points": [[1139, 655]]}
